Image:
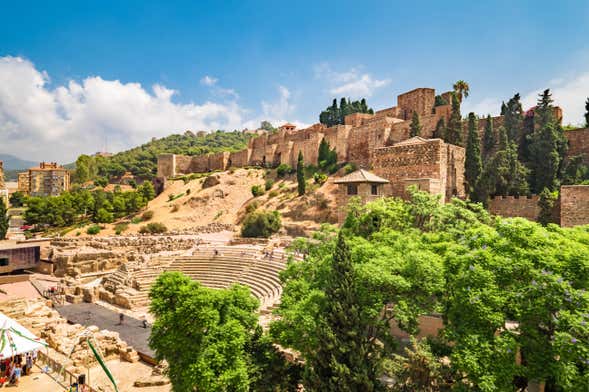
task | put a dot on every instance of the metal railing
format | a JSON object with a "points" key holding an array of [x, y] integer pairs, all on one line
{"points": [[62, 376]]}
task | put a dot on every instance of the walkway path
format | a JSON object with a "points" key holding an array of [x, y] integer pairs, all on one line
{"points": [[131, 331]]}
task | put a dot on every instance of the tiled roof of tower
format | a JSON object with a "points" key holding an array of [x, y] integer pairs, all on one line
{"points": [[361, 176]]}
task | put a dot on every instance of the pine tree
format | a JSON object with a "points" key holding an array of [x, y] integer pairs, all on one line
{"points": [[546, 203], [3, 220], [547, 147], [503, 108], [587, 113], [489, 136], [323, 151], [343, 361], [454, 130], [440, 131], [415, 128], [473, 164], [301, 174]]}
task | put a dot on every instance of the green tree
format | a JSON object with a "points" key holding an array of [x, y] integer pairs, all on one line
{"points": [[546, 202], [267, 126], [454, 129], [488, 136], [3, 220], [547, 146], [202, 333], [513, 120], [473, 164], [146, 189], [343, 361], [17, 199], [261, 224], [440, 131], [415, 127], [462, 89], [301, 184], [326, 157]]}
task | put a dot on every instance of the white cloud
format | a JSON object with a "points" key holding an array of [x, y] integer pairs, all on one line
{"points": [[352, 83], [208, 80], [278, 111], [37, 122], [570, 93]]}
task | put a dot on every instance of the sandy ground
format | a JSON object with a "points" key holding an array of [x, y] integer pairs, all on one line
{"points": [[125, 373], [25, 289]]}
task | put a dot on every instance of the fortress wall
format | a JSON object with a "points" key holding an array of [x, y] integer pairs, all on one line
{"points": [[511, 206], [270, 155], [420, 100], [578, 143], [309, 148], [456, 157], [199, 164], [399, 132], [284, 153], [258, 147], [357, 119], [240, 158], [166, 165], [400, 163], [183, 164], [389, 112], [218, 161], [574, 205]]}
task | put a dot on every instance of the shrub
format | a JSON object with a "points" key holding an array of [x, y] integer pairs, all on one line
{"points": [[153, 228], [171, 197], [136, 220], [283, 169], [121, 227], [257, 190], [104, 216], [147, 215], [188, 191], [261, 224], [320, 178], [349, 168], [175, 208], [273, 193], [269, 183], [251, 207], [92, 230]]}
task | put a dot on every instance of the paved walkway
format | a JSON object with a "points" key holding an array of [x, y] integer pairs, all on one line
{"points": [[131, 331], [35, 382]]}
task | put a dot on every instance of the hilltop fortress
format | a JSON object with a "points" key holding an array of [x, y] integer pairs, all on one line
{"points": [[378, 142]]}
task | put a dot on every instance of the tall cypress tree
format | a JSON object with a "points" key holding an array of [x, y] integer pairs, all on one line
{"points": [[440, 131], [473, 164], [323, 151], [415, 128], [547, 146], [587, 113], [514, 119], [301, 185], [3, 220], [454, 130], [488, 136], [343, 361]]}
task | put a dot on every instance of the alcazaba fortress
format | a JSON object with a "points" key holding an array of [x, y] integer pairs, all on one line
{"points": [[380, 143]]}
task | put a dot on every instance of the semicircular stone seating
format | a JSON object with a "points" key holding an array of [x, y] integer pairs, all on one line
{"points": [[222, 266]]}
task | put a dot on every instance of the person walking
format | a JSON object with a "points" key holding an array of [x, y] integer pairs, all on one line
{"points": [[121, 318]]}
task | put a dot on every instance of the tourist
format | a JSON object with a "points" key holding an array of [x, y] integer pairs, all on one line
{"points": [[29, 363], [144, 322], [16, 373], [121, 318]]}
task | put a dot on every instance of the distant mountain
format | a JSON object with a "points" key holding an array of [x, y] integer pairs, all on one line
{"points": [[13, 163]]}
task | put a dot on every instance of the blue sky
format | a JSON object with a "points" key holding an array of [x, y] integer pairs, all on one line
{"points": [[74, 74]]}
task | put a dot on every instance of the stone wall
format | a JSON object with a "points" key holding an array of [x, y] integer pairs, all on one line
{"points": [[578, 143], [431, 164], [364, 194], [574, 205], [420, 100], [511, 206]]}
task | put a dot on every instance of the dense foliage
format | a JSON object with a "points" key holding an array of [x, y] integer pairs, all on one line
{"points": [[79, 205], [17, 199], [473, 165], [327, 157], [335, 114], [3, 220], [415, 127], [142, 161], [211, 339], [301, 184], [504, 288], [259, 223]]}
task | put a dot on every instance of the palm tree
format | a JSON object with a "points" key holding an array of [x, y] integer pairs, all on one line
{"points": [[461, 88]]}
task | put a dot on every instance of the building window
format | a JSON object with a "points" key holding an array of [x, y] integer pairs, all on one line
{"points": [[374, 190], [352, 189]]}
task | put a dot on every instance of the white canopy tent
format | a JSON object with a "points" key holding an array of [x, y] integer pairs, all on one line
{"points": [[16, 339]]}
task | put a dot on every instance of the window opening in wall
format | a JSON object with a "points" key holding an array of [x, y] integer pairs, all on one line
{"points": [[352, 189], [374, 189]]}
